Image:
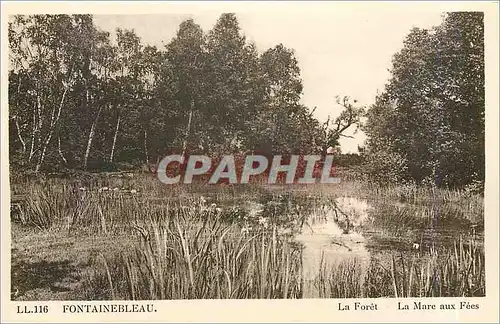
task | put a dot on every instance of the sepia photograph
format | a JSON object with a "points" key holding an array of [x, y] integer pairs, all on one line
{"points": [[222, 155]]}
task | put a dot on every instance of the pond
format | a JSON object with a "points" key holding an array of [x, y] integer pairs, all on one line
{"points": [[332, 237], [356, 232]]}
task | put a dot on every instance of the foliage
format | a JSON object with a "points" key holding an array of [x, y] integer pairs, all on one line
{"points": [[431, 113], [386, 167], [80, 100]]}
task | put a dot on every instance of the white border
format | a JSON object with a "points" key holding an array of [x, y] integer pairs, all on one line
{"points": [[274, 310]]}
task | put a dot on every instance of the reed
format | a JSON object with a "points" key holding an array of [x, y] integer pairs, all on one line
{"points": [[453, 272], [190, 253], [185, 247]]}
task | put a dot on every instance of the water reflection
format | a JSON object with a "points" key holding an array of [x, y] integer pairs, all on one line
{"points": [[397, 227], [329, 237], [348, 232]]}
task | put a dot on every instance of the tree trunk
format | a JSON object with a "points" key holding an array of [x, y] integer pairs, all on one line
{"points": [[60, 151], [19, 135], [35, 129], [23, 143], [53, 122], [91, 137], [39, 111], [146, 146], [111, 155], [33, 132], [188, 129]]}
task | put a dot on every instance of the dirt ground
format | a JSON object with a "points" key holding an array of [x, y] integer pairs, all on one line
{"points": [[52, 264]]}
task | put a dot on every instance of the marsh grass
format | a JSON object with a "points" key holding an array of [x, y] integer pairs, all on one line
{"points": [[342, 280], [43, 206], [428, 195], [426, 225], [455, 272], [185, 256], [184, 246]]}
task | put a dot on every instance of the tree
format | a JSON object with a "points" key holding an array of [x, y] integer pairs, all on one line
{"points": [[431, 113], [78, 100], [232, 91], [186, 58], [349, 117], [50, 54]]}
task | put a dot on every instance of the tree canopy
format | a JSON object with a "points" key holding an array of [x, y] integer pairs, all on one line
{"points": [[428, 124], [81, 99], [78, 100]]}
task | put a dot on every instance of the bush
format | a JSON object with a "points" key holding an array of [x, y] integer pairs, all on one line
{"points": [[385, 167]]}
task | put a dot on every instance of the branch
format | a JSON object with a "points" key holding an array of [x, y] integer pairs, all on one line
{"points": [[312, 112]]}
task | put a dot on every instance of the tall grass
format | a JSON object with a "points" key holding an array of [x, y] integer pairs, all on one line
{"points": [[453, 272], [257, 267], [43, 206], [187, 254], [415, 194], [186, 248], [342, 280]]}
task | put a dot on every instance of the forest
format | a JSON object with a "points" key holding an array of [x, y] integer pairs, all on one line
{"points": [[82, 99]]}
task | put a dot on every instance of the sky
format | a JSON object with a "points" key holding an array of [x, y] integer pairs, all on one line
{"points": [[340, 52]]}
